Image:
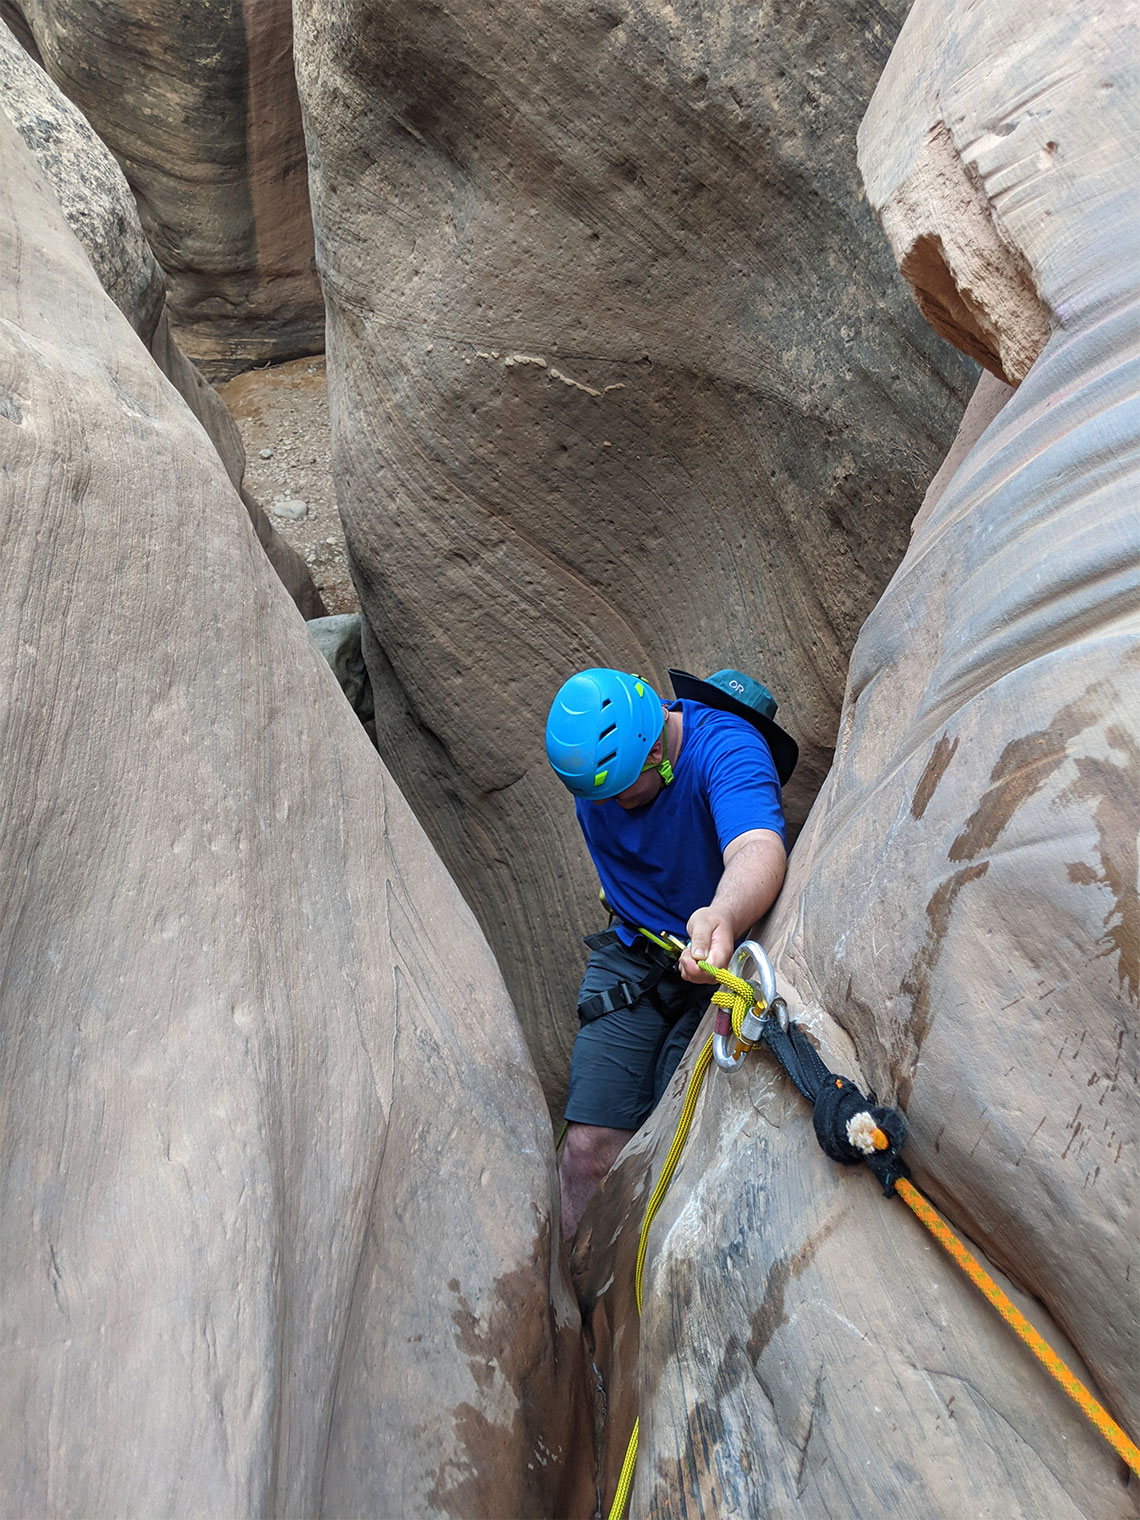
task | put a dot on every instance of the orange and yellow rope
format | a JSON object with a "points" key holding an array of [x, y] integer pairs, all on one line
{"points": [[739, 996], [1017, 1322]]}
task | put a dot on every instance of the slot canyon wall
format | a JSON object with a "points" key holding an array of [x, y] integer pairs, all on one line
{"points": [[621, 368], [620, 372], [275, 1169], [199, 105], [960, 926], [94, 196]]}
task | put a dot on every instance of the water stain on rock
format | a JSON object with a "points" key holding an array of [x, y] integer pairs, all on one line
{"points": [[916, 983], [874, 1042], [1113, 792], [940, 758], [517, 1342], [771, 1314], [690, 1482], [1023, 767]]}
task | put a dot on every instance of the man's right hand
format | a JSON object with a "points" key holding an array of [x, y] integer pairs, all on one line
{"points": [[711, 938]]}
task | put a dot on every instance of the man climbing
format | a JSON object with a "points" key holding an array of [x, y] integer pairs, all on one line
{"points": [[680, 807]]}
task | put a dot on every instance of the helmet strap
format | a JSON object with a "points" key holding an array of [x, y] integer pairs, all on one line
{"points": [[665, 769]]}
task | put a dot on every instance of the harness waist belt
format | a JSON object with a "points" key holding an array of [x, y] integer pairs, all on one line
{"points": [[624, 994]]}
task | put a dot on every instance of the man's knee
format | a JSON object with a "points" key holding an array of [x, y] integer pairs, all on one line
{"points": [[589, 1150]]}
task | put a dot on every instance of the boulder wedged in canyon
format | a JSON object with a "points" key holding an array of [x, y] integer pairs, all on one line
{"points": [[96, 200], [275, 1168], [960, 927], [620, 372], [338, 639], [199, 106]]}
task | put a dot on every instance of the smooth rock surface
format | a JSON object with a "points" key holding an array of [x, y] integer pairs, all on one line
{"points": [[97, 202], [199, 105], [275, 1168], [620, 372], [959, 929], [91, 189]]}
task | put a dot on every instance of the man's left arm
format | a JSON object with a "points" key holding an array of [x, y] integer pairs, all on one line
{"points": [[754, 866]]}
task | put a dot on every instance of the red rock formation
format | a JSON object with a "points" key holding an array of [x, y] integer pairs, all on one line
{"points": [[620, 372], [96, 200], [199, 106], [275, 1169], [959, 928]]}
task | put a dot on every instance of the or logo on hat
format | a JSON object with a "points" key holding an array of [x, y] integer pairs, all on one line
{"points": [[734, 691], [745, 689]]}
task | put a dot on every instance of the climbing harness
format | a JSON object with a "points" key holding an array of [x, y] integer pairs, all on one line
{"points": [[660, 952], [851, 1127]]}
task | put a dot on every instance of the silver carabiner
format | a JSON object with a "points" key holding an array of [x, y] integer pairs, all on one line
{"points": [[749, 950]]}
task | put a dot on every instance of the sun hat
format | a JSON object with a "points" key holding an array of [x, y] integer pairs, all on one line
{"points": [[733, 691]]}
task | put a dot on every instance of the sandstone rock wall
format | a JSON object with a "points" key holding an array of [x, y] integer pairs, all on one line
{"points": [[620, 372], [960, 925], [275, 1169], [199, 105], [97, 202]]}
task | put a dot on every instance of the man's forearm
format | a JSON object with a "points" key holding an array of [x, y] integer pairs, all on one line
{"points": [[753, 874], [752, 878]]}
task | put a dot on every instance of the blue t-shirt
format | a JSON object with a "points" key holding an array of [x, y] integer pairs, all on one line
{"points": [[660, 863]]}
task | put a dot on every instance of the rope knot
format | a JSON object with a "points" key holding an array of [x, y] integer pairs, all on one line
{"points": [[734, 997]]}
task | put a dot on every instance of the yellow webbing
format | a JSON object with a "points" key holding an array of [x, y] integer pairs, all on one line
{"points": [[1017, 1322]]}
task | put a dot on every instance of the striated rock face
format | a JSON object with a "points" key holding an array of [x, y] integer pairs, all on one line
{"points": [[275, 1169], [199, 106], [979, 195], [97, 202], [960, 925], [620, 372], [88, 184]]}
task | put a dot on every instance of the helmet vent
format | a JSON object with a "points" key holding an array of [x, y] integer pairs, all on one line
{"points": [[606, 732], [605, 759]]}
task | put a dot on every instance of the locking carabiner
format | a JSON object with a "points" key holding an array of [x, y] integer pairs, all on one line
{"points": [[763, 983]]}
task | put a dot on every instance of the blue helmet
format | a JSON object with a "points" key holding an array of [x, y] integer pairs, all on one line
{"points": [[602, 724]]}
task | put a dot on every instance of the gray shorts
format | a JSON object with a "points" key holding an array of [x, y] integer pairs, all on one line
{"points": [[624, 1060]]}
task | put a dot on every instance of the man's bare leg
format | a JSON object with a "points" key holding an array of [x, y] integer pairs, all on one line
{"points": [[588, 1152]]}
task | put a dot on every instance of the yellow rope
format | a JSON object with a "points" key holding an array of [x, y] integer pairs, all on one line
{"points": [[739, 995], [735, 993], [625, 1482], [1014, 1318], [692, 1092], [680, 1135]]}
